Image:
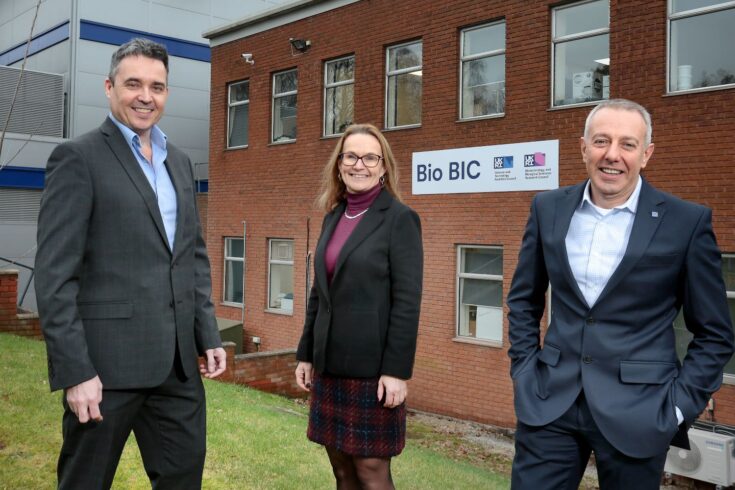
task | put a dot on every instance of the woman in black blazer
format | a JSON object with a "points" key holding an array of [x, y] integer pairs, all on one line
{"points": [[359, 340]]}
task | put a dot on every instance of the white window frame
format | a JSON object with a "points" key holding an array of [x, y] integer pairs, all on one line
{"points": [[275, 96], [573, 37], [333, 85], [272, 261], [671, 18], [485, 54], [230, 105], [394, 73], [226, 259], [458, 302]]}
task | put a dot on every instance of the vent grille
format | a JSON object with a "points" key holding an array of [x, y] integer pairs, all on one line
{"points": [[39, 107], [19, 205]]}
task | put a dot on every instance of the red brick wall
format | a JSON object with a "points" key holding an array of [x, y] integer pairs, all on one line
{"points": [[272, 187], [11, 319], [268, 371]]}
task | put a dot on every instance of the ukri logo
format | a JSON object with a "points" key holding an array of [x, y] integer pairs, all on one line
{"points": [[537, 159]]}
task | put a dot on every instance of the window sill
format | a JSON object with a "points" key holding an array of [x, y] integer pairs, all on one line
{"points": [[284, 142], [398, 128], [499, 115], [231, 148], [330, 136], [279, 312], [574, 106], [231, 305], [700, 90], [481, 342]]}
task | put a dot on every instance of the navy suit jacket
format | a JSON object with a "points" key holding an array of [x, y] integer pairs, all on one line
{"points": [[621, 350], [364, 324]]}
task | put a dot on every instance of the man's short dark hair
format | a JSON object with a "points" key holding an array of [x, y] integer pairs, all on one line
{"points": [[138, 47]]}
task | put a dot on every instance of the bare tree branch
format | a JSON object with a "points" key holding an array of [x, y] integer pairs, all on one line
{"points": [[20, 78]]}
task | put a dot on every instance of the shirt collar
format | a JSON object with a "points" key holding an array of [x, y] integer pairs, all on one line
{"points": [[158, 137], [631, 204]]}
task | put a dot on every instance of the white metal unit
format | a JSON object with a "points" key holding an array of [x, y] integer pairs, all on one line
{"points": [[711, 459]]}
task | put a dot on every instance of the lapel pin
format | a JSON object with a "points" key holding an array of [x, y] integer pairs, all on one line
{"points": [[654, 214]]}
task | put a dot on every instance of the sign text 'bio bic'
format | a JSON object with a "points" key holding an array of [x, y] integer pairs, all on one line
{"points": [[498, 168]]}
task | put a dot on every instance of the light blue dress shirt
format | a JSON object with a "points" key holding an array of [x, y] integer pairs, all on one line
{"points": [[156, 174], [597, 239]]}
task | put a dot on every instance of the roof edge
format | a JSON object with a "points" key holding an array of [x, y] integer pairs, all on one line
{"points": [[269, 19]]}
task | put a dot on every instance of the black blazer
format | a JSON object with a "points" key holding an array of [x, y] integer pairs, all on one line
{"points": [[365, 324], [114, 300]]}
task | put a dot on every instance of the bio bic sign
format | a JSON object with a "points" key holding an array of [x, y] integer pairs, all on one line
{"points": [[530, 166]]}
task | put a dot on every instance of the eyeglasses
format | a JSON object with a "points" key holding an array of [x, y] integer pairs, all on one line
{"points": [[370, 160]]}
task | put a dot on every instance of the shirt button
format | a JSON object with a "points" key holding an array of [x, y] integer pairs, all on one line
{"points": [[587, 359], [171, 304], [590, 321]]}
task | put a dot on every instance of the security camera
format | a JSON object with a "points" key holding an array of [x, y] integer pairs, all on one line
{"points": [[301, 45], [248, 57]]}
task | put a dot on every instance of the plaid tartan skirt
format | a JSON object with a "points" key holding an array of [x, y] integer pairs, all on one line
{"points": [[345, 414]]}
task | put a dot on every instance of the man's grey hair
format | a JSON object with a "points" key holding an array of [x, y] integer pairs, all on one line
{"points": [[138, 47], [624, 105]]}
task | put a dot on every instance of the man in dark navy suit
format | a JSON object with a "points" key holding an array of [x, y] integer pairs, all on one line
{"points": [[622, 259]]}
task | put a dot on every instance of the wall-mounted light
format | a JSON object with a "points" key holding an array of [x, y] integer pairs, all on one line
{"points": [[248, 57], [300, 45]]}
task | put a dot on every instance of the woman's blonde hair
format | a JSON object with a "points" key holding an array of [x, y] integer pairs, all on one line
{"points": [[333, 189]]}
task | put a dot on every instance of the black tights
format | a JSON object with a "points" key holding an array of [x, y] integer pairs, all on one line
{"points": [[356, 473]]}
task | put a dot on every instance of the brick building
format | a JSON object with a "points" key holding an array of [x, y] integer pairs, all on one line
{"points": [[440, 75]]}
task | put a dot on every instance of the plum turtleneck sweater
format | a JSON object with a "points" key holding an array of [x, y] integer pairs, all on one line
{"points": [[356, 204]]}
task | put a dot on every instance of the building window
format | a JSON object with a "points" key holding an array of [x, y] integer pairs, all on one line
{"points": [[238, 109], [581, 52], [403, 85], [480, 293], [339, 89], [699, 31], [280, 275], [483, 71], [285, 85], [232, 290], [683, 336]]}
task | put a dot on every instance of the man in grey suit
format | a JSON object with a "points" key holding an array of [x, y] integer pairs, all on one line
{"points": [[622, 259], [123, 287]]}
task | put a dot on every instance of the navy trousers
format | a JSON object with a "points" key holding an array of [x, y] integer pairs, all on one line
{"points": [[555, 456]]}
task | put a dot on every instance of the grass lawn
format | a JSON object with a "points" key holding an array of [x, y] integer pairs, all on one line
{"points": [[255, 440]]}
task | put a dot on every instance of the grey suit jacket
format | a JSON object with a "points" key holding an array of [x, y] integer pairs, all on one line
{"points": [[621, 350], [113, 299]]}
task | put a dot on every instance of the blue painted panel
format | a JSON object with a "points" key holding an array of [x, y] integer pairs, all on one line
{"points": [[42, 41], [104, 33], [22, 177]]}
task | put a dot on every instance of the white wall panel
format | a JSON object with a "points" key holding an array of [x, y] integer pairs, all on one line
{"points": [[50, 14], [131, 14], [188, 73]]}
